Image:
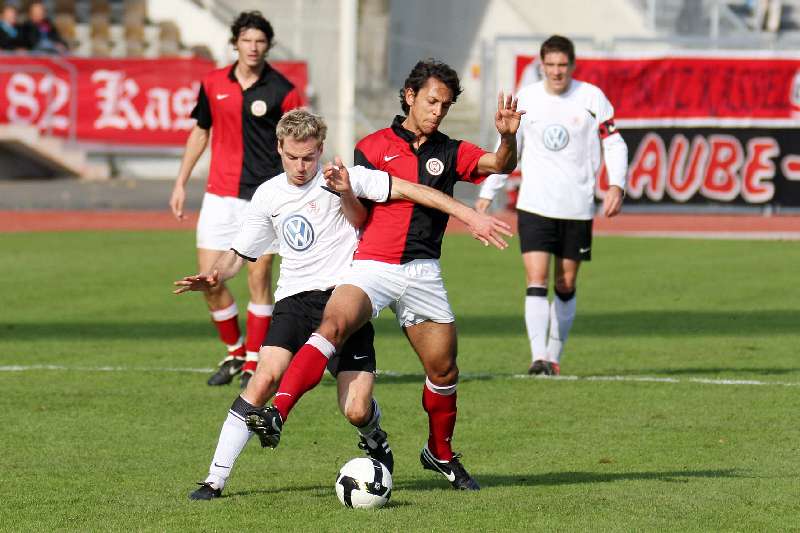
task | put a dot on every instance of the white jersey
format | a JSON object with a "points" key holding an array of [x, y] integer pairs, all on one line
{"points": [[559, 145], [314, 238]]}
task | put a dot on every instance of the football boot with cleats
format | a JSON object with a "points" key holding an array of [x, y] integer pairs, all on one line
{"points": [[377, 447], [205, 492], [453, 470], [267, 423], [228, 368]]}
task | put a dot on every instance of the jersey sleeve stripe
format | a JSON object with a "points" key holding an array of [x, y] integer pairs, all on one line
{"points": [[607, 128]]}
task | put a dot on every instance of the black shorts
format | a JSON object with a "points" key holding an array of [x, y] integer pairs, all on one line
{"points": [[296, 317], [571, 239]]}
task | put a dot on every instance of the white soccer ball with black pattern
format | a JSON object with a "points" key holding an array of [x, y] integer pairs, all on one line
{"points": [[364, 483]]}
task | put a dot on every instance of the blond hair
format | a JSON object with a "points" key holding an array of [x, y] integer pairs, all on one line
{"points": [[301, 124]]}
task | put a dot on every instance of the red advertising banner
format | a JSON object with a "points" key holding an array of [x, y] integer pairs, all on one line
{"points": [[139, 102], [701, 90]]}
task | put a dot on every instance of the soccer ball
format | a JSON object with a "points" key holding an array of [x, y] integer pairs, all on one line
{"points": [[364, 483]]}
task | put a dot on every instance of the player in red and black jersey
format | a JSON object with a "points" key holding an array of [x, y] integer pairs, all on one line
{"points": [[396, 264], [242, 103]]}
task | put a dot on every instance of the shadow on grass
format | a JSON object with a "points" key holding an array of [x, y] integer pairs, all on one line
{"points": [[574, 478], [673, 323], [519, 480]]}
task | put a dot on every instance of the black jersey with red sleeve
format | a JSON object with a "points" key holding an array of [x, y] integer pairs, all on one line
{"points": [[400, 231], [244, 149]]}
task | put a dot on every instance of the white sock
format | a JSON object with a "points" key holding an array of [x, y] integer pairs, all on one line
{"points": [[562, 315], [537, 318], [232, 439]]}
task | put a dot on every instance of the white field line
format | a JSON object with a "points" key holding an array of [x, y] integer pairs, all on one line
{"points": [[391, 374], [720, 235]]}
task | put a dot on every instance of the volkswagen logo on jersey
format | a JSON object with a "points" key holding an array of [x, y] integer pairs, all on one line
{"points": [[298, 233], [434, 166], [555, 137]]}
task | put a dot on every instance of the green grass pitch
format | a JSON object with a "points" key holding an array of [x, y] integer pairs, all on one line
{"points": [[104, 425]]}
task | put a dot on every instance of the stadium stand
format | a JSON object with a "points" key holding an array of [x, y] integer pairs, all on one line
{"points": [[114, 28]]}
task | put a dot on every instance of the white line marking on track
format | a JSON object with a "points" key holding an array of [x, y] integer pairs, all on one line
{"points": [[391, 374]]}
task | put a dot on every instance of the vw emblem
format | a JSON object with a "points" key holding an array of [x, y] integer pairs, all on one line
{"points": [[298, 233], [555, 137], [434, 166]]}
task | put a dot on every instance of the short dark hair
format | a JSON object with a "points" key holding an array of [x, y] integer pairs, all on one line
{"points": [[422, 72], [251, 20], [558, 43]]}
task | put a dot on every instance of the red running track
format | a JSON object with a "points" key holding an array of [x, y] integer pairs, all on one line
{"points": [[726, 226]]}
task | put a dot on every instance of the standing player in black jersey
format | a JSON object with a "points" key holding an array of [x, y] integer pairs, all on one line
{"points": [[242, 103]]}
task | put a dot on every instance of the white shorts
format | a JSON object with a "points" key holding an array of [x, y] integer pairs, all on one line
{"points": [[414, 291], [220, 220]]}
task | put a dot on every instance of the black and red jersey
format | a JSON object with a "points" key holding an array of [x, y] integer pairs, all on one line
{"points": [[400, 231], [244, 149]]}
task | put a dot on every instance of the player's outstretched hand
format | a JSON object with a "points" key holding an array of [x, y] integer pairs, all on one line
{"points": [[489, 230], [198, 282], [336, 175], [507, 118], [612, 203]]}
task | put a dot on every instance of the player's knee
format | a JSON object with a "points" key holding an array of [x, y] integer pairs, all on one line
{"points": [[565, 286], [334, 329], [216, 291], [444, 375]]}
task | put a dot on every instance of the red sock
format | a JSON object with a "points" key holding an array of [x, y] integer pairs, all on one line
{"points": [[441, 411], [227, 323], [258, 319], [303, 374]]}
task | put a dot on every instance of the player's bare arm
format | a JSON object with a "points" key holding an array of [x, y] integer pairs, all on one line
{"points": [[506, 120], [195, 145], [485, 228], [223, 269], [338, 179]]}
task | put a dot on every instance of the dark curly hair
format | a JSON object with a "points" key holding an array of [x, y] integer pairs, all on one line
{"points": [[251, 20], [424, 70], [558, 43]]}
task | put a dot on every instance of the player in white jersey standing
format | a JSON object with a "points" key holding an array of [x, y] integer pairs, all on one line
{"points": [[564, 136], [315, 229]]}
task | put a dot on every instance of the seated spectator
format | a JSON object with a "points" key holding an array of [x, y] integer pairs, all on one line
{"points": [[39, 33], [10, 36]]}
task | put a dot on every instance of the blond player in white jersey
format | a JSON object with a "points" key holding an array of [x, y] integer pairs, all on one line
{"points": [[565, 135], [313, 219]]}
